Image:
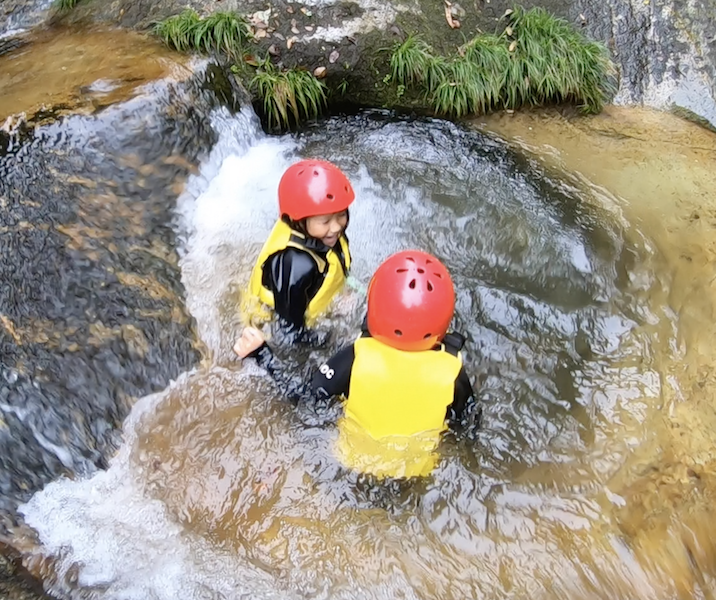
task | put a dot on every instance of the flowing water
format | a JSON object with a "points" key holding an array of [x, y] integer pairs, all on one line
{"points": [[91, 303], [578, 320], [105, 67]]}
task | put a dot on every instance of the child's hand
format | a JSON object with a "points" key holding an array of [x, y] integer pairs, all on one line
{"points": [[251, 339]]}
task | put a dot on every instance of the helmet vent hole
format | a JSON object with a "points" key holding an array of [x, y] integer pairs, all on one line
{"points": [[401, 270], [430, 287], [421, 271], [329, 196], [315, 173], [398, 332], [411, 285], [345, 187], [428, 262], [427, 336], [410, 258], [438, 275], [301, 172]]}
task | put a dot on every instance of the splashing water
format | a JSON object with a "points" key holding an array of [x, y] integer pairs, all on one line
{"points": [[224, 490]]}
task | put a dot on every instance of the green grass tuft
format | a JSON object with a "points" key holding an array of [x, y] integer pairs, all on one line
{"points": [[557, 63], [64, 6], [538, 59], [289, 97], [410, 62], [221, 32], [178, 31]]}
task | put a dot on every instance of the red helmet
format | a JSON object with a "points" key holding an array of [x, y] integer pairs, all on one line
{"points": [[313, 187], [410, 301]]}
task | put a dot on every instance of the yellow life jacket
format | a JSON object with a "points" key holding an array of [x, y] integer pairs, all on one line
{"points": [[396, 408], [282, 237]]}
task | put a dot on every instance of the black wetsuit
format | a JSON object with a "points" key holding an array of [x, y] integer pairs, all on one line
{"points": [[294, 278]]}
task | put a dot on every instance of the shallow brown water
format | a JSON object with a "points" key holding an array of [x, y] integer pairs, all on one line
{"points": [[79, 71], [525, 510], [661, 171]]}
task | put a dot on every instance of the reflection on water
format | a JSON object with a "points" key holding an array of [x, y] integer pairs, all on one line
{"points": [[226, 487]]}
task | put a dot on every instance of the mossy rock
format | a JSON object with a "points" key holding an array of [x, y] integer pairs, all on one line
{"points": [[348, 43]]}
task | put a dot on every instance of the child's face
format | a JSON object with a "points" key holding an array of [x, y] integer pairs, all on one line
{"points": [[327, 228]]}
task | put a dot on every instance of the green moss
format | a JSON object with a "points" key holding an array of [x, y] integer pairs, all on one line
{"points": [[221, 32], [537, 59]]}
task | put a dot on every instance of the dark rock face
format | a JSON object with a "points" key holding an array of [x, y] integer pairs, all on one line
{"points": [[21, 14], [92, 309], [664, 50], [92, 312]]}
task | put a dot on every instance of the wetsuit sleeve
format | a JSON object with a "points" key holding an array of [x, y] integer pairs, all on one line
{"points": [[331, 379], [293, 277], [461, 398]]}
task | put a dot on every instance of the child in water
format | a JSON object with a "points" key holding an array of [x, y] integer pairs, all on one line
{"points": [[403, 379], [305, 260]]}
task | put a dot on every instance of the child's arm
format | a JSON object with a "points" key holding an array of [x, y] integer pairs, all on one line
{"points": [[464, 395], [293, 278], [331, 379]]}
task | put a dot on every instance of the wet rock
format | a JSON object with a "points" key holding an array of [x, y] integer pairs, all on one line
{"points": [[18, 15], [92, 311], [15, 582], [10, 44], [359, 32], [664, 50]]}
